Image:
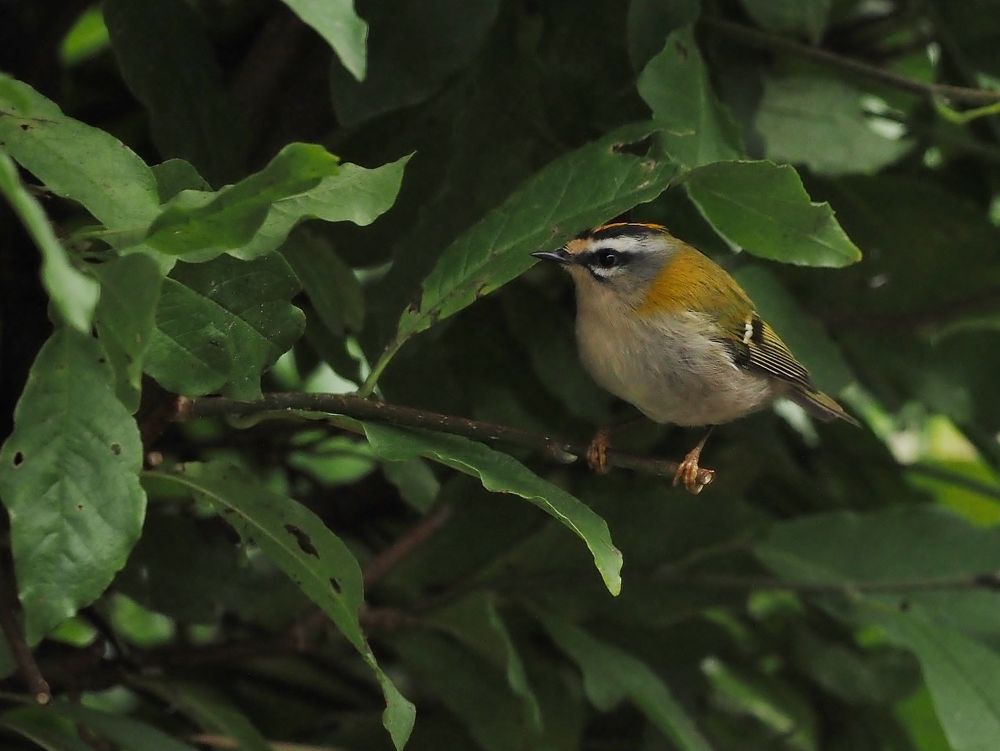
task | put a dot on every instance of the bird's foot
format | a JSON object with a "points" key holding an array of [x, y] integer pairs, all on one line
{"points": [[597, 451], [694, 478]]}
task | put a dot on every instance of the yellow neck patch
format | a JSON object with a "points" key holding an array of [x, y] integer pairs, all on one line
{"points": [[692, 281]]}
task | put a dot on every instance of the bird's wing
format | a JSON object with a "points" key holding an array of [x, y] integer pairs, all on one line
{"points": [[756, 346]]}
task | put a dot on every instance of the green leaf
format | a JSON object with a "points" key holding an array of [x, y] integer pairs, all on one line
{"points": [[126, 316], [799, 17], [73, 293], [819, 121], [212, 711], [611, 674], [578, 190], [501, 473], [476, 621], [697, 129], [175, 175], [405, 68], [330, 284], [763, 208], [204, 225], [963, 677], [68, 477], [45, 728], [415, 481], [127, 734], [220, 324], [804, 335], [470, 688], [180, 85], [902, 543], [649, 23], [354, 194], [74, 160], [339, 25], [298, 542]]}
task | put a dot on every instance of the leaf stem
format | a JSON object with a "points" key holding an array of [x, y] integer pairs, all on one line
{"points": [[368, 387], [763, 40]]}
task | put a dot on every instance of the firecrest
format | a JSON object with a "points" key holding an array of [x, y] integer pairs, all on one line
{"points": [[665, 328]]}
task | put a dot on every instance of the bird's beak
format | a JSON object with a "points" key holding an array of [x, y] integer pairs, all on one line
{"points": [[559, 256]]}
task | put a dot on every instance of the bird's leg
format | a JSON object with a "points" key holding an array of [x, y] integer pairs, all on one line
{"points": [[688, 473], [597, 451]]}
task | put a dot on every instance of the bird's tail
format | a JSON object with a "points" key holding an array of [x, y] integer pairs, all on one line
{"points": [[821, 406]]}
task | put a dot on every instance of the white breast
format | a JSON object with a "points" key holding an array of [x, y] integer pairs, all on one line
{"points": [[670, 368]]}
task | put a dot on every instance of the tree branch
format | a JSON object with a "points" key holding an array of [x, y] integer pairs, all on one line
{"points": [[763, 40], [12, 630], [556, 449]]}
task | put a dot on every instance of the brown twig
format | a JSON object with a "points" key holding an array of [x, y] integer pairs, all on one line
{"points": [[554, 448], [10, 622], [763, 40], [379, 566], [225, 742]]}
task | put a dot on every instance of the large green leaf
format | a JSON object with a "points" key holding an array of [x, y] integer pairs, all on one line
{"points": [[405, 68], [203, 225], [74, 160], [819, 121], [69, 480], [126, 317], [166, 59], [330, 284], [298, 542], [339, 25], [477, 622], [611, 674], [220, 324], [73, 293], [212, 711], [355, 194], [802, 17], [763, 208], [963, 677], [127, 734], [578, 190], [44, 728], [697, 129], [504, 474]]}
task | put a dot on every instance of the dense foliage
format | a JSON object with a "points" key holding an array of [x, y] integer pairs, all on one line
{"points": [[296, 448]]}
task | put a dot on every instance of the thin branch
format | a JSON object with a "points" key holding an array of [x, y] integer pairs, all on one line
{"points": [[562, 451], [763, 40], [988, 581], [378, 567], [225, 742], [10, 622]]}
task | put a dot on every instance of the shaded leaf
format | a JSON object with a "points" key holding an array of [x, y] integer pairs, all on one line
{"points": [[696, 128], [298, 542], [819, 121], [340, 26], [611, 675], [126, 315], [211, 711], [44, 728], [74, 160], [167, 61], [73, 293], [69, 480], [763, 208], [127, 734], [576, 191], [405, 68], [330, 284], [204, 225], [799, 17], [501, 473], [220, 324]]}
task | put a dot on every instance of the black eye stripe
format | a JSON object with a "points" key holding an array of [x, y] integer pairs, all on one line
{"points": [[596, 259]]}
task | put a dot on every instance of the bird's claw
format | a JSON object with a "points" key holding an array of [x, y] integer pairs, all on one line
{"points": [[694, 478], [597, 451]]}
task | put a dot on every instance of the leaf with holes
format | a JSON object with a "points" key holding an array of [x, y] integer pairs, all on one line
{"points": [[298, 542], [69, 480]]}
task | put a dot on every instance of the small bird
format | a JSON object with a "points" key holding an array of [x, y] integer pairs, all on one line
{"points": [[665, 328]]}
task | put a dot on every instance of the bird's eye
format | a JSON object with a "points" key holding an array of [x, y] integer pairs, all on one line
{"points": [[607, 259]]}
